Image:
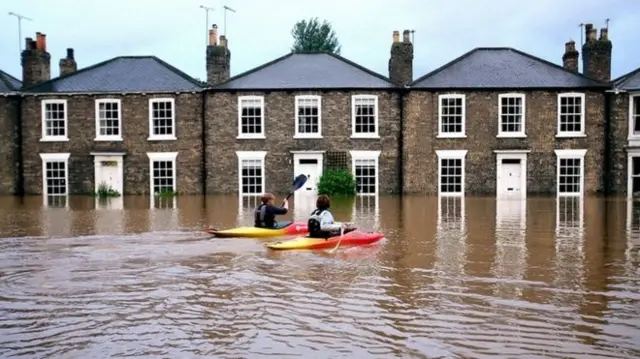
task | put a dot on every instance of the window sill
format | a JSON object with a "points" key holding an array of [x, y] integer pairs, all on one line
{"points": [[373, 136], [633, 138], [105, 139], [456, 135], [162, 138], [570, 135], [569, 194], [305, 137], [245, 137], [54, 139], [509, 135], [457, 194]]}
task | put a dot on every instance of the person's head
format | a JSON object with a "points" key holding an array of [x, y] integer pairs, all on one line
{"points": [[323, 202], [267, 198]]}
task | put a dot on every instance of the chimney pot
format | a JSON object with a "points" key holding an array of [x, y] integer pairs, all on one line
{"points": [[396, 36], [570, 46], [604, 34], [223, 41], [38, 41], [406, 36], [213, 35], [70, 54], [44, 42]]}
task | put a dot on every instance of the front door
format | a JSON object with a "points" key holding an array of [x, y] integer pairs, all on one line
{"points": [[510, 177], [310, 166], [109, 173]]}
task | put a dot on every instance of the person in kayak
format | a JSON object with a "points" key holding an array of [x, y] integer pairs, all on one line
{"points": [[321, 223], [265, 214]]}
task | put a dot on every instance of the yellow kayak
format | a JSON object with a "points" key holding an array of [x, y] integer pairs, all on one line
{"points": [[284, 229], [354, 238]]}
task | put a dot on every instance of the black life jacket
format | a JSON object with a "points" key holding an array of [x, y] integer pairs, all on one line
{"points": [[314, 226], [260, 215]]}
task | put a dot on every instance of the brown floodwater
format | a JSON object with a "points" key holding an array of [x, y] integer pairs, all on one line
{"points": [[454, 278]]}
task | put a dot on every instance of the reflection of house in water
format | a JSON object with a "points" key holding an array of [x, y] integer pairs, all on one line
{"points": [[632, 253], [510, 260], [569, 259], [366, 213], [303, 204], [110, 216], [56, 201], [164, 213], [451, 239], [246, 207], [57, 220]]}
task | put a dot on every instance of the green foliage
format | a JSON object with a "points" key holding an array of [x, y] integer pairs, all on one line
{"points": [[105, 191], [337, 182], [313, 36]]}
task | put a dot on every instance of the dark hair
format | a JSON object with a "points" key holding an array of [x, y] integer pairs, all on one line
{"points": [[323, 201], [267, 197]]}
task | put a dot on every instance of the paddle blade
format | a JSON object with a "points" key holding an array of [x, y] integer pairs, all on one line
{"points": [[298, 182]]}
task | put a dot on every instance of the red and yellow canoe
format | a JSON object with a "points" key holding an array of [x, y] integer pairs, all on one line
{"points": [[354, 238], [288, 228]]}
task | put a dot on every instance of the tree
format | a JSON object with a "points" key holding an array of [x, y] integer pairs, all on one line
{"points": [[313, 36]]}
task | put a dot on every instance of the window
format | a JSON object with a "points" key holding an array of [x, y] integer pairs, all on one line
{"points": [[511, 113], [451, 172], [55, 174], [633, 172], [162, 172], [364, 165], [570, 115], [251, 177], [634, 116], [364, 116], [251, 117], [54, 120], [308, 118], [570, 172], [451, 116], [162, 119], [108, 120]]}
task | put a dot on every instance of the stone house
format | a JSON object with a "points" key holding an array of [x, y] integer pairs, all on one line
{"points": [[9, 132]]}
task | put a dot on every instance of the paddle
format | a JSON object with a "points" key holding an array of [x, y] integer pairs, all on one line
{"points": [[298, 182], [331, 251]]}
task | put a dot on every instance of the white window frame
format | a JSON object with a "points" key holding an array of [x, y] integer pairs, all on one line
{"points": [[631, 153], [452, 154], [376, 111], [367, 155], [463, 133], [100, 137], [163, 156], [507, 134], [633, 135], [256, 156], [172, 136], [583, 106], [260, 135], [299, 134], [570, 154], [43, 121], [55, 157]]}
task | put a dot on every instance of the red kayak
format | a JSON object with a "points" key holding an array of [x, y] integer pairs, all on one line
{"points": [[354, 238]]}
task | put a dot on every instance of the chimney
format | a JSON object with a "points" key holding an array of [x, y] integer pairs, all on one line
{"points": [[36, 61], [218, 58], [401, 60], [570, 57], [596, 54], [68, 64]]}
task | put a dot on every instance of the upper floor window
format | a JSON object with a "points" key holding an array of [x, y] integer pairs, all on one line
{"points": [[308, 117], [162, 119], [54, 120], [108, 120], [634, 115], [364, 116], [511, 115], [251, 117], [571, 121], [451, 116]]}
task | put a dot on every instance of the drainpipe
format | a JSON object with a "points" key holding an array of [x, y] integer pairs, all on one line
{"points": [[203, 141], [609, 97]]}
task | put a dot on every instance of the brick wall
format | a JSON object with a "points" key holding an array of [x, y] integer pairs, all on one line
{"points": [[9, 106]]}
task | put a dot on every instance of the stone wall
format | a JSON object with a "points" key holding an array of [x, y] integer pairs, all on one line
{"points": [[9, 161]]}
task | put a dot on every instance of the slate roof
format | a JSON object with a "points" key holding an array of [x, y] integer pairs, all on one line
{"points": [[502, 67], [628, 82], [307, 71], [9, 83], [122, 74]]}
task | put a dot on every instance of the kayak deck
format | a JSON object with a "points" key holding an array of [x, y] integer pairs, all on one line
{"points": [[283, 229], [355, 238]]}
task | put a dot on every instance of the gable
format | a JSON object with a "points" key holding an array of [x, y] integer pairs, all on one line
{"points": [[628, 82], [9, 83], [495, 68], [307, 71], [121, 75]]}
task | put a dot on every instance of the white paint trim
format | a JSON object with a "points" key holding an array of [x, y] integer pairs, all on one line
{"points": [[43, 106], [163, 156], [118, 103], [523, 171], [452, 154], [318, 100], [511, 151], [376, 133], [463, 133], [97, 164], [583, 105], [570, 153], [262, 134], [523, 106], [55, 157], [367, 155], [170, 137], [108, 153], [632, 136], [251, 155], [631, 153], [307, 152]]}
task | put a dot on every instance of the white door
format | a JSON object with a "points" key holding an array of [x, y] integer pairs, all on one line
{"points": [[511, 177], [108, 171], [309, 167]]}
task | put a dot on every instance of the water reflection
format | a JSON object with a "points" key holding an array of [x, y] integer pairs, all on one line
{"points": [[57, 218], [510, 259], [56, 201], [451, 241], [366, 213], [303, 204], [246, 207], [632, 252], [110, 215], [164, 213], [569, 243]]}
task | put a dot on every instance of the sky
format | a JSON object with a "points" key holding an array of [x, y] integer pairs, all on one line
{"points": [[260, 31]]}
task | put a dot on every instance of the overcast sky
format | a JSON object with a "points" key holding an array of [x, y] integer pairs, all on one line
{"points": [[260, 31]]}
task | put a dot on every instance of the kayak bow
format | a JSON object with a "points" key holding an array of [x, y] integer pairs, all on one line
{"points": [[285, 229], [354, 238]]}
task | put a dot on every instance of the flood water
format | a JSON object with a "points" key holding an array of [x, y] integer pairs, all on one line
{"points": [[454, 278]]}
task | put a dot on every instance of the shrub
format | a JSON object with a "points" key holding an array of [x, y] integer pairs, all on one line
{"points": [[105, 191], [337, 182]]}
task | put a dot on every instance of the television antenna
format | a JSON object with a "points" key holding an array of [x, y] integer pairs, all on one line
{"points": [[20, 18], [206, 26]]}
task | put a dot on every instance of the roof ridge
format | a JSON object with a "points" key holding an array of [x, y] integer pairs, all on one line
{"points": [[620, 81]]}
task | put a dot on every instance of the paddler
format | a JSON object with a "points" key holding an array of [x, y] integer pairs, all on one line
{"points": [[265, 214], [321, 223]]}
